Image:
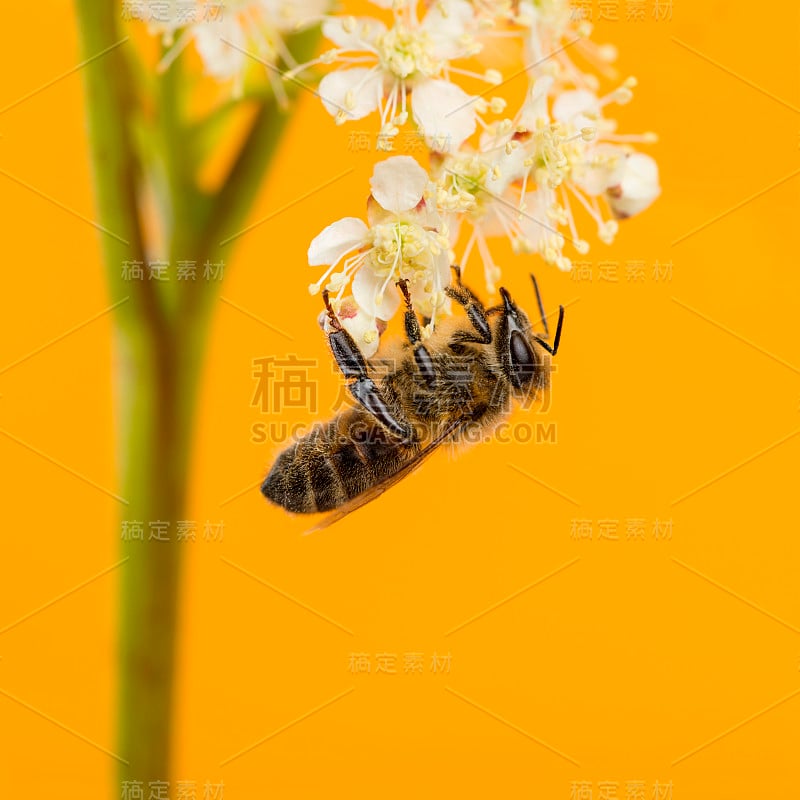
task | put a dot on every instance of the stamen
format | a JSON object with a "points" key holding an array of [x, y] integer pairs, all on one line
{"points": [[490, 270], [468, 249]]}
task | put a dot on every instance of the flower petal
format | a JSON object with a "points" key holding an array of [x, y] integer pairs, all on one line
{"points": [[361, 325], [509, 167], [491, 223], [423, 214], [605, 167], [366, 286], [454, 221], [338, 238], [445, 112], [535, 106], [425, 290], [579, 108], [638, 189], [398, 183], [352, 33], [375, 214], [446, 22], [442, 267], [354, 93], [537, 227], [220, 59]]}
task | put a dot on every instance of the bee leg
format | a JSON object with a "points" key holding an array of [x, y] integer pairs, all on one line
{"points": [[353, 366], [422, 357], [475, 312]]}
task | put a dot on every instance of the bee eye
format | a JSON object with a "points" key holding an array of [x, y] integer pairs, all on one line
{"points": [[523, 360]]}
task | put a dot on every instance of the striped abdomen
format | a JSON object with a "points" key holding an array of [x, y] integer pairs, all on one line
{"points": [[334, 463]]}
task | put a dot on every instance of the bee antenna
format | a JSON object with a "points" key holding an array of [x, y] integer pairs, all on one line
{"points": [[541, 308], [553, 349]]}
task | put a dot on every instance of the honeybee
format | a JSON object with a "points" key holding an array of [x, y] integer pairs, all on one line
{"points": [[463, 377]]}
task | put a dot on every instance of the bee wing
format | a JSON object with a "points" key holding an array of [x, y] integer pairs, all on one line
{"points": [[379, 488]]}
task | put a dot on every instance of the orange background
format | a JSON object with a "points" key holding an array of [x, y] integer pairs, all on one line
{"points": [[662, 661]]}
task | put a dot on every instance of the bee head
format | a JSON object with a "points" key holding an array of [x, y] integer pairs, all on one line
{"points": [[515, 350], [521, 351]]}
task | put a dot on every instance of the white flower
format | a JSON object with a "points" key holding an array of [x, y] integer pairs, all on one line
{"points": [[404, 239], [552, 30], [482, 191], [629, 180], [245, 33], [491, 12], [475, 190], [382, 67], [549, 19], [364, 327], [512, 181], [638, 187], [593, 164], [572, 155]]}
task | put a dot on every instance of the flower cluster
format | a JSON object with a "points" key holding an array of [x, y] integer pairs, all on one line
{"points": [[407, 68], [527, 177], [404, 238], [547, 174], [243, 34]]}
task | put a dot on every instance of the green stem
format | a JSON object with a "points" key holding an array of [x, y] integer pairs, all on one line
{"points": [[154, 390], [161, 340], [111, 104], [159, 390], [228, 209]]}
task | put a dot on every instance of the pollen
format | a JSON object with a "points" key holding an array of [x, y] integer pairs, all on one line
{"points": [[407, 53]]}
